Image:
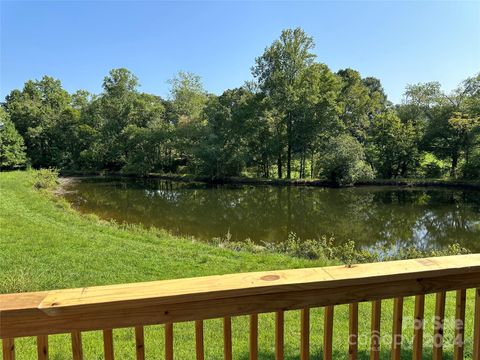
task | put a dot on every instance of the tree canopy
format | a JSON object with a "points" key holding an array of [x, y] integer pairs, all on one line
{"points": [[296, 118]]}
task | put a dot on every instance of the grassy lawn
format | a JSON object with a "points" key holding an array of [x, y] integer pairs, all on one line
{"points": [[45, 245]]}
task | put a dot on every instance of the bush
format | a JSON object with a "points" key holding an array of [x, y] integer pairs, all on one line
{"points": [[432, 167], [45, 179], [12, 148], [343, 162], [325, 249], [471, 170]]}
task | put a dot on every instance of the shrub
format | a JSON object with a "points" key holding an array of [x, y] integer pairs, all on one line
{"points": [[325, 249], [343, 162], [12, 148], [432, 167], [471, 170], [46, 179]]}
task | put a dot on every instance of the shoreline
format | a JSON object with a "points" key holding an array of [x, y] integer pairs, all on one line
{"points": [[460, 184]]}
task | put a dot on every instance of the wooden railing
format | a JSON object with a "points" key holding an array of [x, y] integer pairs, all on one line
{"points": [[167, 302]]}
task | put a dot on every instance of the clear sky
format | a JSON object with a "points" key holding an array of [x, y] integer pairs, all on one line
{"points": [[78, 42]]}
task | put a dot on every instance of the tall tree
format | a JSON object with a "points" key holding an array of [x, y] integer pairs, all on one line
{"points": [[36, 111], [280, 72], [392, 145], [451, 119], [359, 100], [188, 96], [12, 149]]}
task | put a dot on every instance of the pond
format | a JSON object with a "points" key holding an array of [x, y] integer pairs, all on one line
{"points": [[423, 217]]}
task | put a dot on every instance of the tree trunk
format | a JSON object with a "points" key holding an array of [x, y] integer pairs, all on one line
{"points": [[289, 161], [289, 146], [453, 171], [302, 165], [311, 164], [279, 166], [404, 169]]}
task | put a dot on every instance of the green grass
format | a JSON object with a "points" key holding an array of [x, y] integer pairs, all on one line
{"points": [[46, 245]]}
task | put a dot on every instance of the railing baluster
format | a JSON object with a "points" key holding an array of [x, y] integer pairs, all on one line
{"points": [[139, 343], [279, 335], [42, 347], [460, 324], [8, 346], [476, 327], [169, 341], [253, 337], [353, 332], [227, 338], [305, 334], [77, 350], [397, 328], [375, 332], [328, 332], [438, 327], [108, 344], [418, 327], [200, 351]]}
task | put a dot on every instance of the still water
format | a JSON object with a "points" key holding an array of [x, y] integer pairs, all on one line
{"points": [[423, 217]]}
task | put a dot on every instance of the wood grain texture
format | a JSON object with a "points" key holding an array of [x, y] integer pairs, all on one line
{"points": [[305, 334], [438, 327], [353, 332], [199, 344], [235, 285], [328, 333], [108, 344], [116, 306], [169, 341], [227, 338], [461, 299], [77, 349], [8, 348], [139, 343], [279, 335], [397, 328], [375, 330], [42, 347], [418, 327]]}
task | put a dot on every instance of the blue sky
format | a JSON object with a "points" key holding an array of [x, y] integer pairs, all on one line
{"points": [[78, 41]]}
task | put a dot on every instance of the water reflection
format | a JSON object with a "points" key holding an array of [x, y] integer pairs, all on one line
{"points": [[371, 216]]}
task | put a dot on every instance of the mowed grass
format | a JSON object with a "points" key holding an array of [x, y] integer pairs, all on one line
{"points": [[45, 245]]}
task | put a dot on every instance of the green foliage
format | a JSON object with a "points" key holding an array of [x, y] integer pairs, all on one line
{"points": [[431, 167], [326, 250], [343, 161], [188, 96], [36, 112], [45, 179], [231, 118], [392, 145], [12, 149], [148, 148], [471, 169], [355, 104], [282, 74], [73, 251], [291, 121]]}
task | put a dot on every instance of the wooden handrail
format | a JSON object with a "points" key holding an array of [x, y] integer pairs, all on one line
{"points": [[224, 296], [96, 308]]}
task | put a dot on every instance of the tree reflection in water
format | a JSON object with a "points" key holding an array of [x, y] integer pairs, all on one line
{"points": [[371, 216]]}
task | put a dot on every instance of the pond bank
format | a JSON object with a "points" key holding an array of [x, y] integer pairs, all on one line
{"points": [[465, 184], [292, 219], [45, 245]]}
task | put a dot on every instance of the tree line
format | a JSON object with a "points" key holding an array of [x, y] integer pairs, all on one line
{"points": [[295, 119]]}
